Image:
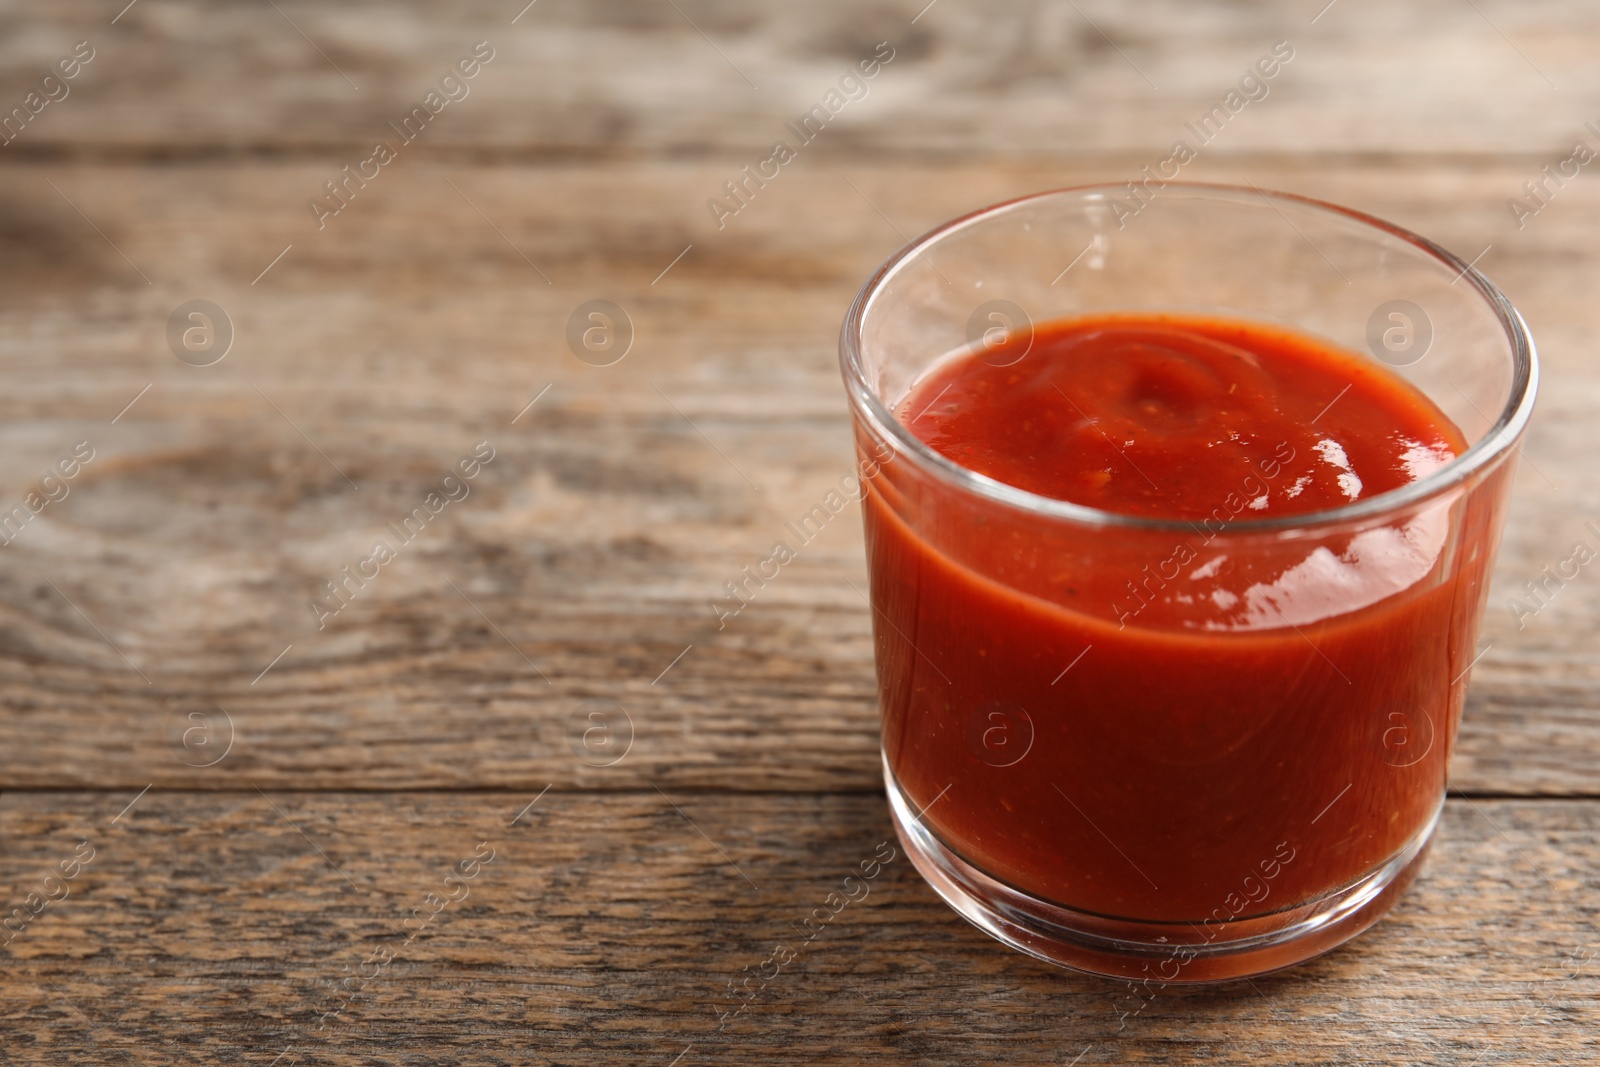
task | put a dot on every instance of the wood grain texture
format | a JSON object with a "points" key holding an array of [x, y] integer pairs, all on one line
{"points": [[606, 929], [589, 552], [270, 803], [1018, 77]]}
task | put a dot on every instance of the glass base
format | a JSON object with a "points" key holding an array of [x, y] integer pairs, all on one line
{"points": [[1169, 953]]}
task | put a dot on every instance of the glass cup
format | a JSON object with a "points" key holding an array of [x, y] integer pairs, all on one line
{"points": [[1085, 754]]}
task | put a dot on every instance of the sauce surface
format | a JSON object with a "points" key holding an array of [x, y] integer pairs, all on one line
{"points": [[1195, 726], [1165, 417]]}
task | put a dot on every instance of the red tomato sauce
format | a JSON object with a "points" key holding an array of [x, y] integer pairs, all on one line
{"points": [[1190, 725], [1165, 419]]}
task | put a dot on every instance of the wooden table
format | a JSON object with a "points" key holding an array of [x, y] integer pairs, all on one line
{"points": [[258, 800]]}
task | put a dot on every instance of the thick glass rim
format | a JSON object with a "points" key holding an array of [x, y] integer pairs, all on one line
{"points": [[1499, 438]]}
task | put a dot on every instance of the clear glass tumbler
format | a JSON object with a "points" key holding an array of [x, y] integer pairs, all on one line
{"points": [[1152, 785]]}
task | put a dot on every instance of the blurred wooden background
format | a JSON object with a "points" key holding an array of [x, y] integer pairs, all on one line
{"points": [[267, 803]]}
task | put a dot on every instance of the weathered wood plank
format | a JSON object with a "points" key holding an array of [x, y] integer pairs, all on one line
{"points": [[271, 857], [1019, 77], [605, 929], [592, 546]]}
